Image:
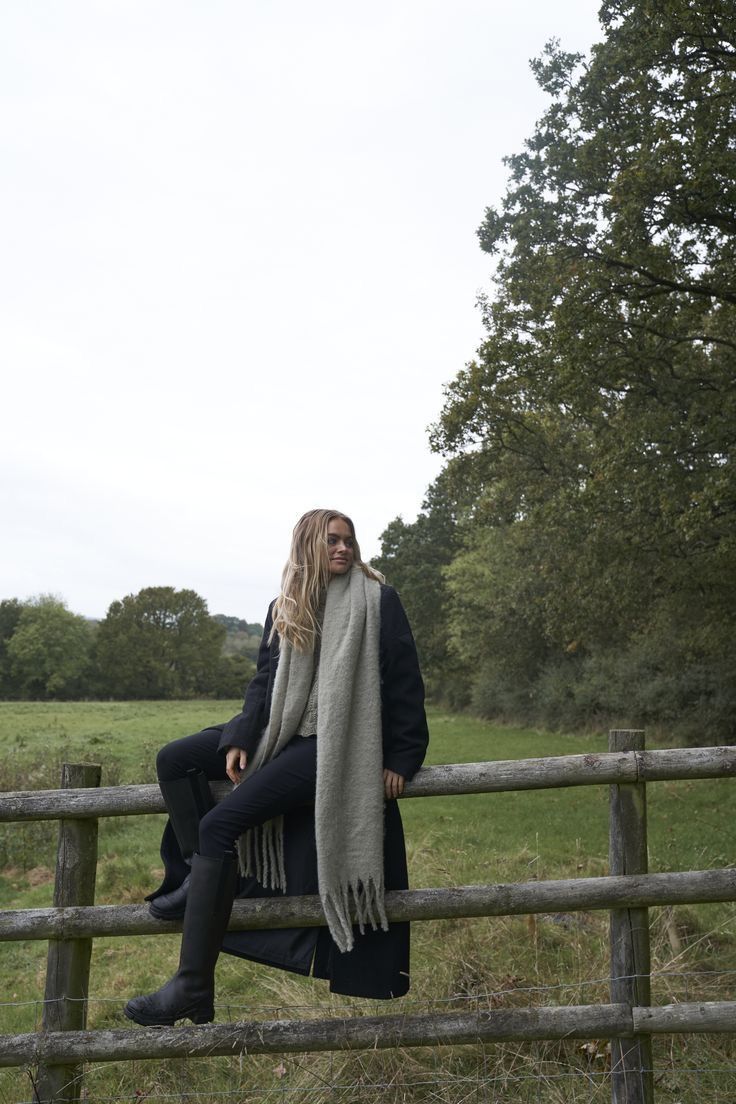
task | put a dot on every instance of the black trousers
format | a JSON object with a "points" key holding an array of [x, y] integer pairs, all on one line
{"points": [[286, 781]]}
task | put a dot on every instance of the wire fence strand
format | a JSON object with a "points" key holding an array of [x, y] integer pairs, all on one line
{"points": [[297, 1009]]}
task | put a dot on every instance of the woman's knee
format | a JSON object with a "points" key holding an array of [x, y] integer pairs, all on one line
{"points": [[192, 753], [169, 763], [215, 837]]}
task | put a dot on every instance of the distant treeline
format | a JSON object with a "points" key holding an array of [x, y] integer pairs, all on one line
{"points": [[159, 643], [575, 561]]}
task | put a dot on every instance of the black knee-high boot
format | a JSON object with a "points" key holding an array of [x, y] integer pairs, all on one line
{"points": [[190, 993], [187, 800]]}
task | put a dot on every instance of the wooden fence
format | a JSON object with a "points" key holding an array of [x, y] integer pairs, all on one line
{"points": [[63, 1045]]}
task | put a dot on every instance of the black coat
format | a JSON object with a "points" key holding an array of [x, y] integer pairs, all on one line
{"points": [[378, 965]]}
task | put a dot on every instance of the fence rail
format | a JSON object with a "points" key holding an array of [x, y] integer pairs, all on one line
{"points": [[513, 899], [450, 779], [584, 1021], [627, 893]]}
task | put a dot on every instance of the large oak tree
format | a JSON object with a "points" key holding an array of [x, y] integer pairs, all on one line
{"points": [[159, 643], [591, 441]]}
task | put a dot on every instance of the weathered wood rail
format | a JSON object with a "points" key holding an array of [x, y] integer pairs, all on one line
{"points": [[584, 1021], [64, 1045], [451, 779], [513, 899]]}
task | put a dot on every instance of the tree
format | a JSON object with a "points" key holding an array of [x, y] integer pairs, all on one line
{"points": [[233, 674], [243, 637], [413, 558], [10, 611], [595, 429], [49, 651], [159, 643]]}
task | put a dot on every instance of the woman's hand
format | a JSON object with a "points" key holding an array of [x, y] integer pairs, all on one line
{"points": [[393, 784], [235, 763]]}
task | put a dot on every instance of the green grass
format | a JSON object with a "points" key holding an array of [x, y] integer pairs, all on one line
{"points": [[493, 962]]}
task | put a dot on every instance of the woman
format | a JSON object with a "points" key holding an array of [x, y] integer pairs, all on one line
{"points": [[332, 726]]}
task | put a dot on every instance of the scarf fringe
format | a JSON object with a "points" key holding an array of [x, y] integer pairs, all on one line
{"points": [[362, 899], [261, 854]]}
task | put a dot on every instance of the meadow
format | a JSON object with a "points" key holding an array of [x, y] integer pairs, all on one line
{"points": [[492, 962]]}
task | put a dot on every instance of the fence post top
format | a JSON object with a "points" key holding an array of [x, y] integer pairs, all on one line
{"points": [[626, 739], [80, 775]]}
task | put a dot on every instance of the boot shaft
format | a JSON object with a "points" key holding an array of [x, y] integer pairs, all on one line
{"points": [[208, 908], [187, 800]]}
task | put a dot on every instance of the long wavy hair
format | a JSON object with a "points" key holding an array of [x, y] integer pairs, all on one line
{"points": [[305, 578]]}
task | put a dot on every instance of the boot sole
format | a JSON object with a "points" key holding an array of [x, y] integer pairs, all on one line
{"points": [[196, 1016], [158, 914]]}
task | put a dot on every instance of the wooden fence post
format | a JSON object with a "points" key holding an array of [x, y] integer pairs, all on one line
{"points": [[67, 967], [632, 1079]]}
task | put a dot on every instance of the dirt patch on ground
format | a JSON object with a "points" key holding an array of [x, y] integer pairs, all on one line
{"points": [[39, 875], [132, 896]]}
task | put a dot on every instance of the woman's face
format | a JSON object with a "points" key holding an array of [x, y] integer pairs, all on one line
{"points": [[340, 543]]}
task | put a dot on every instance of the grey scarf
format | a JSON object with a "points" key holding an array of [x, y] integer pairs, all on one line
{"points": [[349, 795]]}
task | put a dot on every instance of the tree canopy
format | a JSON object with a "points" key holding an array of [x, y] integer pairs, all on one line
{"points": [[589, 444], [10, 611], [47, 648], [159, 643], [413, 558]]}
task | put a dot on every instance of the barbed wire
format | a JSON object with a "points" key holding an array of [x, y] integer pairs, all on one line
{"points": [[324, 1088], [420, 1002]]}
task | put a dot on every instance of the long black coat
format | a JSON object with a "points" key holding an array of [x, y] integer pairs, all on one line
{"points": [[378, 965]]}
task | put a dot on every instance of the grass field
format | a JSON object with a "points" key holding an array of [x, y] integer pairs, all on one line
{"points": [[495, 962]]}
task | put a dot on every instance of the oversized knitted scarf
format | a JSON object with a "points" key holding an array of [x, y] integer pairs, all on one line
{"points": [[349, 791]]}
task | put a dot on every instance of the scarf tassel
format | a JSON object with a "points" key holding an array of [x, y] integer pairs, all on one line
{"points": [[261, 852], [362, 900]]}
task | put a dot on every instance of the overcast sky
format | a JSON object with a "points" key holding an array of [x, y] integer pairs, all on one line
{"points": [[238, 263]]}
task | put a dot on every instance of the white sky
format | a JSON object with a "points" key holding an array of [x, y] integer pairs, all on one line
{"points": [[237, 264]]}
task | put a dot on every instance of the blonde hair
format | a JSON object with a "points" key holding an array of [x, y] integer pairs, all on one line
{"points": [[305, 578]]}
